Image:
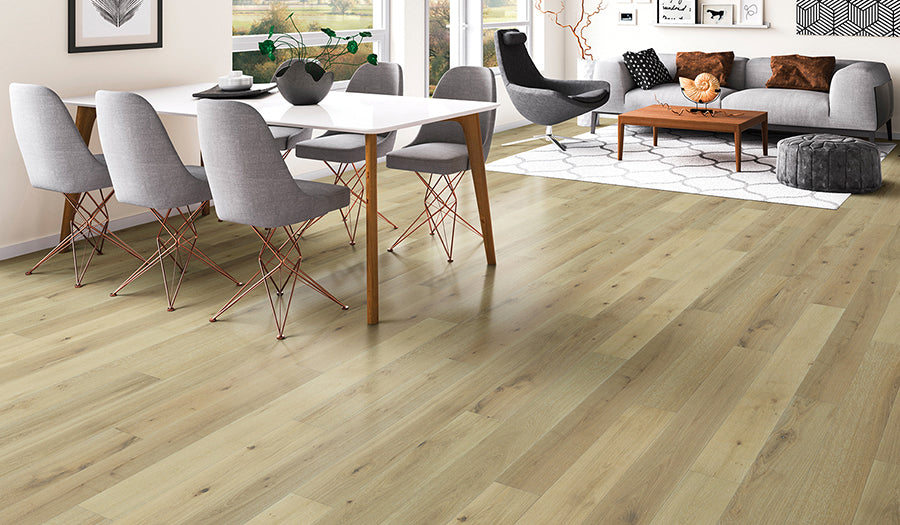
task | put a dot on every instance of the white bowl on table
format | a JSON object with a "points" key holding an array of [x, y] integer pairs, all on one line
{"points": [[235, 81]]}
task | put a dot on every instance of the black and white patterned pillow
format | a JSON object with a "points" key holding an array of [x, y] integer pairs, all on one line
{"points": [[646, 68]]}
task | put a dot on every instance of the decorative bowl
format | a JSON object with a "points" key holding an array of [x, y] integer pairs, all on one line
{"points": [[235, 81]]}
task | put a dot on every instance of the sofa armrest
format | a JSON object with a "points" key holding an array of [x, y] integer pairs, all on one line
{"points": [[852, 99], [612, 70]]}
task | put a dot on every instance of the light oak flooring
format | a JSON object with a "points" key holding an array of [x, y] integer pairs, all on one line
{"points": [[636, 356]]}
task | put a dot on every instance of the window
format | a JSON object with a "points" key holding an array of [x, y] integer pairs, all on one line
{"points": [[251, 20], [461, 32]]}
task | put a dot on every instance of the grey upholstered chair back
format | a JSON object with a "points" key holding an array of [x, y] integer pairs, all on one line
{"points": [[384, 79], [249, 180], [513, 60], [56, 157], [144, 167], [463, 83]]}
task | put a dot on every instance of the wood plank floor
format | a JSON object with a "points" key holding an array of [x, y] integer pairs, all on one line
{"points": [[636, 356]]}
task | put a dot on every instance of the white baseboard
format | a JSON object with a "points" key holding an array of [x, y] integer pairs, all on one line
{"points": [[45, 243]]}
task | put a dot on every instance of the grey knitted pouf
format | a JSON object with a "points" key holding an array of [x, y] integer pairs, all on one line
{"points": [[829, 163]]}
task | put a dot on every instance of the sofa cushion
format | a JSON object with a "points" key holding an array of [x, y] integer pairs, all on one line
{"points": [[786, 107], [691, 63], [666, 94], [646, 69], [801, 72]]}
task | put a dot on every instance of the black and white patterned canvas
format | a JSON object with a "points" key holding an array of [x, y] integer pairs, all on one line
{"points": [[646, 69], [849, 17]]}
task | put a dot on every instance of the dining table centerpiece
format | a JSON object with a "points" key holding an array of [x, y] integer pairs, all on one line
{"points": [[305, 79]]}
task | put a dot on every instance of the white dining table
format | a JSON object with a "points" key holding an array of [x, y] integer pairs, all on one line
{"points": [[361, 113]]}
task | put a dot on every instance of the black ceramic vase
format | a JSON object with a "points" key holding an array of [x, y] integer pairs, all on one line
{"points": [[299, 87]]}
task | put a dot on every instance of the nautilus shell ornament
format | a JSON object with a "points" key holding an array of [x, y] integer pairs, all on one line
{"points": [[703, 89]]}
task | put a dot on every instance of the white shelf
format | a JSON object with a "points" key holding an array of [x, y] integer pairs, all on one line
{"points": [[717, 26]]}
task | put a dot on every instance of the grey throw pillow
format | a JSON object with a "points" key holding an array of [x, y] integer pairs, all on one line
{"points": [[646, 68]]}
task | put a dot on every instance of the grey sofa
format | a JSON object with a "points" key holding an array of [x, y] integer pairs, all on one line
{"points": [[860, 102]]}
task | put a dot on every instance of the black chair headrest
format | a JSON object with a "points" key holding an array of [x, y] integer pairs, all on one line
{"points": [[514, 38]]}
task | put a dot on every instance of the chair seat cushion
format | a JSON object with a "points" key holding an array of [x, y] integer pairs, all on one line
{"points": [[198, 172], [328, 197], [431, 157], [287, 137], [589, 97], [341, 147]]}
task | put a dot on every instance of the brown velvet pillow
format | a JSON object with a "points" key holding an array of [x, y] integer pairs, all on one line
{"points": [[691, 63], [800, 72]]}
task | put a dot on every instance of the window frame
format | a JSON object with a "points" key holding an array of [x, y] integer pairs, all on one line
{"points": [[467, 27], [380, 39]]}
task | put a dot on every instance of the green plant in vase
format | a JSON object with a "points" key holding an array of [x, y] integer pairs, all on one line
{"points": [[316, 64]]}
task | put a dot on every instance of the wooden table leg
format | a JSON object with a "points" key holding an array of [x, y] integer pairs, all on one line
{"points": [[765, 136], [472, 131], [84, 122], [737, 150], [621, 137], [655, 136], [371, 229]]}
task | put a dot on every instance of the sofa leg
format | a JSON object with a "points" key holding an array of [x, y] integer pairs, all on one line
{"points": [[888, 126]]}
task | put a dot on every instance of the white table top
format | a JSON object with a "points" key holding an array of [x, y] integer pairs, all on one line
{"points": [[339, 111]]}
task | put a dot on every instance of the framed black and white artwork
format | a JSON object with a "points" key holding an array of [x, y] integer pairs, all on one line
{"points": [[627, 17], [717, 14], [676, 12], [751, 12], [111, 25]]}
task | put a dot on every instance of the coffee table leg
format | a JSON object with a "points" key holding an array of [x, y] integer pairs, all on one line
{"points": [[765, 137], [621, 137], [737, 149], [655, 136]]}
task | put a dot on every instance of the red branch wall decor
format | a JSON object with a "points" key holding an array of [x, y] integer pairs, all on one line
{"points": [[577, 28]]}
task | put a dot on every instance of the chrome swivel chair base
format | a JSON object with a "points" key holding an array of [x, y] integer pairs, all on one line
{"points": [[549, 136]]}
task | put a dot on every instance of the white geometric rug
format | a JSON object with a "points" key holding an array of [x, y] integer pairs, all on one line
{"points": [[684, 161]]}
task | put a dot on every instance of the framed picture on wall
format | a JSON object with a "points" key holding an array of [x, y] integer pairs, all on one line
{"points": [[111, 25], [627, 17], [676, 11], [751, 12], [717, 14]]}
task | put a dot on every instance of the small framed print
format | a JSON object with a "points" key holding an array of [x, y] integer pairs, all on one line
{"points": [[111, 25], [718, 14], [678, 12], [627, 17], [751, 12]]}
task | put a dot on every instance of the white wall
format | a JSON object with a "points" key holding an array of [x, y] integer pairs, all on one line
{"points": [[34, 49], [609, 38]]}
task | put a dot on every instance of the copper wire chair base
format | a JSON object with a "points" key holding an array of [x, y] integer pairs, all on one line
{"points": [[355, 182], [440, 204], [92, 226], [171, 244], [276, 278]]}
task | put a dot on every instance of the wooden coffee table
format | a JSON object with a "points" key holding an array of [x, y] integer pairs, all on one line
{"points": [[722, 120]]}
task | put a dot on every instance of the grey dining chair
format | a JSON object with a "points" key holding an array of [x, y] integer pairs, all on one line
{"points": [[146, 171], [251, 185], [57, 159], [542, 100], [345, 153], [287, 137], [440, 150]]}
